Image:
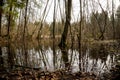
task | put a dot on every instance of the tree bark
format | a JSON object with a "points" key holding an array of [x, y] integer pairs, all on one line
{"points": [[113, 20], [1, 58], [1, 4], [25, 18], [68, 5], [62, 44], [9, 21], [54, 21], [79, 35]]}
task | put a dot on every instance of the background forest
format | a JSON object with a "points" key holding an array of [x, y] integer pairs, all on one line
{"points": [[19, 18]]}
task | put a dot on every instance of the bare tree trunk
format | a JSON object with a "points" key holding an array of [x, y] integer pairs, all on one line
{"points": [[9, 21], [25, 23], [19, 25], [113, 20], [1, 4], [1, 58], [68, 5], [24, 34], [62, 44], [79, 35], [42, 20], [54, 21], [102, 28], [105, 23]]}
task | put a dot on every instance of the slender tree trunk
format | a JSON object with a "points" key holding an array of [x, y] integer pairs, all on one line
{"points": [[1, 58], [54, 21], [24, 34], [113, 20], [25, 18], [102, 28], [19, 25], [9, 21], [1, 4], [42, 20], [9, 18], [79, 35], [0, 22]]}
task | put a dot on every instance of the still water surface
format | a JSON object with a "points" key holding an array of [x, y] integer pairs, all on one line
{"points": [[97, 58]]}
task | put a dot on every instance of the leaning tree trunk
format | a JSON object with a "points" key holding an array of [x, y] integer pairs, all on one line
{"points": [[102, 30]]}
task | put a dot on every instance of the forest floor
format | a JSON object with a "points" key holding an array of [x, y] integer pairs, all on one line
{"points": [[28, 74], [37, 74]]}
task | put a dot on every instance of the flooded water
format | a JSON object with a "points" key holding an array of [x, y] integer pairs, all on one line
{"points": [[97, 58]]}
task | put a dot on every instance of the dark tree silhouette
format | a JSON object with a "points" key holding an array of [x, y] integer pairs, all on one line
{"points": [[68, 5], [62, 44], [1, 4]]}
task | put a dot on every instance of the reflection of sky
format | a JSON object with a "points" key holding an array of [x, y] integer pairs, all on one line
{"points": [[37, 59]]}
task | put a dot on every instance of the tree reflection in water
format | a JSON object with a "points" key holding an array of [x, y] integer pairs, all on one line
{"points": [[94, 58]]}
